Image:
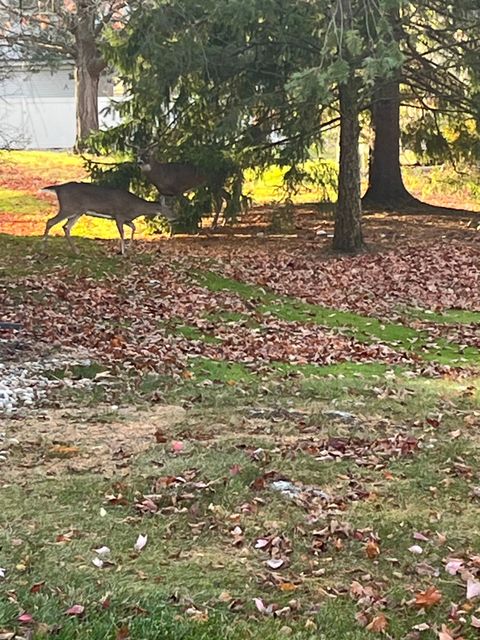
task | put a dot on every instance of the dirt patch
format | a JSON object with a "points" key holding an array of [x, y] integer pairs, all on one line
{"points": [[59, 441]]}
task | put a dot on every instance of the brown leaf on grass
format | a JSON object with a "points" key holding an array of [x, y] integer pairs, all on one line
{"points": [[378, 624], [123, 633], [35, 588], [362, 618], [195, 614], [63, 451], [225, 596], [428, 598], [160, 437], [372, 549], [68, 536]]}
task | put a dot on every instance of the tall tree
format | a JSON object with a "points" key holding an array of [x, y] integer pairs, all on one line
{"points": [[439, 80], [256, 78], [54, 31], [348, 229], [360, 52]]}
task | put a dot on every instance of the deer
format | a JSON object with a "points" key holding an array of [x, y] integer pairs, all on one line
{"points": [[76, 199], [174, 179]]}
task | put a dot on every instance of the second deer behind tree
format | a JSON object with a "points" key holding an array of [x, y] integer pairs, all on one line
{"points": [[174, 179]]}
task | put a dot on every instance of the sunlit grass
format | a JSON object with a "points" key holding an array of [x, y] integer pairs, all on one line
{"points": [[25, 172]]}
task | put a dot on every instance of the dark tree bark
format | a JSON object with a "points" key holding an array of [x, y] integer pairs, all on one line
{"points": [[88, 67], [386, 190], [348, 235], [385, 184]]}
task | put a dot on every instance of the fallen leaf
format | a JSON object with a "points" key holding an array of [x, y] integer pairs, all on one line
{"points": [[261, 543], [98, 562], [415, 549], [378, 624], [75, 610], [287, 586], [275, 563], [362, 618], [123, 633], [423, 626], [428, 598], [475, 622], [445, 633], [473, 589], [261, 605], [235, 469], [177, 446], [102, 551], [453, 566], [140, 543], [197, 615], [420, 536], [35, 588], [372, 549], [25, 618], [64, 451]]}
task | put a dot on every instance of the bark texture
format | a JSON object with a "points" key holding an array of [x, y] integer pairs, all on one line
{"points": [[88, 67], [348, 236], [385, 184]]}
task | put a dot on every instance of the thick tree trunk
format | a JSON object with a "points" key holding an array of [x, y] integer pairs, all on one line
{"points": [[89, 65], [348, 235], [86, 99], [385, 184]]}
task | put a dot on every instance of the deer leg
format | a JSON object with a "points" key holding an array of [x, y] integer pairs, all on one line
{"points": [[217, 204], [67, 228], [122, 236], [51, 222], [133, 228]]}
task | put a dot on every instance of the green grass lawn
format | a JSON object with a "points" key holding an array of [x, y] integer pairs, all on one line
{"points": [[399, 469], [383, 457]]}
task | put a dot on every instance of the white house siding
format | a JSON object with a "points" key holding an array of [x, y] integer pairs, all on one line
{"points": [[37, 110]]}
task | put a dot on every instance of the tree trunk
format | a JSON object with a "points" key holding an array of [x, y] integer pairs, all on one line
{"points": [[348, 235], [89, 65], [385, 184], [86, 99]]}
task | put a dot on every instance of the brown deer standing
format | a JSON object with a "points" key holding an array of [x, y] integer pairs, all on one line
{"points": [[76, 199], [177, 178]]}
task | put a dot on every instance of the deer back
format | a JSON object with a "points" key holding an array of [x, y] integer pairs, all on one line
{"points": [[83, 197], [174, 178]]}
